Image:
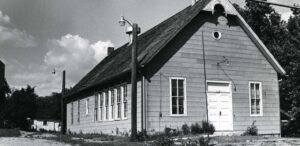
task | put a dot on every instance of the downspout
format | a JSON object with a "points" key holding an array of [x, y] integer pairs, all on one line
{"points": [[142, 103], [160, 100], [205, 85]]}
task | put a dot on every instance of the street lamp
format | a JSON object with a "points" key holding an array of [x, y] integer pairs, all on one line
{"points": [[133, 31]]}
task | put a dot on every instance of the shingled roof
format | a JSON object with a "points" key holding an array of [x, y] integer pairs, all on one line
{"points": [[149, 44]]}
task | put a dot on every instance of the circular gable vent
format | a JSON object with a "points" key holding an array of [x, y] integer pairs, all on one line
{"points": [[217, 35]]}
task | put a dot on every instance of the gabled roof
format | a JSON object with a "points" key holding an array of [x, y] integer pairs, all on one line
{"points": [[151, 42]]}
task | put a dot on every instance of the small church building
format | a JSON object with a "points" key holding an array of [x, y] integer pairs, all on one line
{"points": [[203, 62]]}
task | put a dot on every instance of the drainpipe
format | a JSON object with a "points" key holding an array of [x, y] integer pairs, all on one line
{"points": [[205, 85]]}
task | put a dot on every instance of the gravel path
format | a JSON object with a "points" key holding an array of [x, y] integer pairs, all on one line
{"points": [[14, 141]]}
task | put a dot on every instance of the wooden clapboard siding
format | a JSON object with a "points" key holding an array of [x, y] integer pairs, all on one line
{"points": [[87, 123], [183, 57]]}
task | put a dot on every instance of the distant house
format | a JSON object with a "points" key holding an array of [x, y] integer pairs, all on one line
{"points": [[46, 124], [208, 40]]}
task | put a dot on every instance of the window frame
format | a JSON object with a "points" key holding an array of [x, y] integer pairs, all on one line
{"points": [[72, 113], [118, 105], [78, 111], [87, 109], [124, 94], [261, 98], [96, 103], [184, 97], [106, 106], [100, 106], [111, 104]]}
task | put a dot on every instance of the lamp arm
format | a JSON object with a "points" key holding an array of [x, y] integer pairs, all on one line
{"points": [[128, 22]]}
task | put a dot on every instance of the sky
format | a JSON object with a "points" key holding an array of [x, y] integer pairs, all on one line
{"points": [[40, 36]]}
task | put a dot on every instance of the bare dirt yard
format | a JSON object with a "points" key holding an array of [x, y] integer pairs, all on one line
{"points": [[19, 141], [55, 139]]}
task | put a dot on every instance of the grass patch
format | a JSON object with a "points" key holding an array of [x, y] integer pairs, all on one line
{"points": [[235, 139], [10, 132], [93, 140]]}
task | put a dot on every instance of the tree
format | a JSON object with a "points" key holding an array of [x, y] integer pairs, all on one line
{"points": [[283, 41], [20, 106], [49, 107], [4, 92]]}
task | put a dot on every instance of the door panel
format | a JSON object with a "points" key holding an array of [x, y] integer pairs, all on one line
{"points": [[220, 105]]}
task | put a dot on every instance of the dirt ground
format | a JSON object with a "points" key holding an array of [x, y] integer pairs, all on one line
{"points": [[20, 141], [48, 139]]}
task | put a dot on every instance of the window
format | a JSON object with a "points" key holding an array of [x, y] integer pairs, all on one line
{"points": [[101, 109], [124, 95], [112, 104], [45, 123], [72, 113], [78, 111], [96, 118], [106, 105], [87, 106], [118, 103], [178, 97], [255, 93]]}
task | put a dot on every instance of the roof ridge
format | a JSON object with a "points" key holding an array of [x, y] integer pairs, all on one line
{"points": [[150, 41]]}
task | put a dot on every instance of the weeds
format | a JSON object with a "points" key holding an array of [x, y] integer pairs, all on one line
{"points": [[10, 132], [251, 130]]}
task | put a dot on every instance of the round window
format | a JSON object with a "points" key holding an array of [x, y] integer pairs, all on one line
{"points": [[217, 35]]}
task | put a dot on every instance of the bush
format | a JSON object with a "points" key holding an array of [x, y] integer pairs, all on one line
{"points": [[208, 128], [164, 141], [168, 131], [185, 129], [203, 141], [251, 130], [142, 135], [10, 132], [196, 129]]}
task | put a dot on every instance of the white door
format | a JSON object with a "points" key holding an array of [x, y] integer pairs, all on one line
{"points": [[220, 105]]}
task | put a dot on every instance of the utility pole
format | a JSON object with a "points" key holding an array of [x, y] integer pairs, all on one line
{"points": [[133, 30], [134, 83], [63, 106]]}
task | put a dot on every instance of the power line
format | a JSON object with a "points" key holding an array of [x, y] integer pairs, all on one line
{"points": [[276, 4]]}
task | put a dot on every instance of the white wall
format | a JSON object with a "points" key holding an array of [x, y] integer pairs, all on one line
{"points": [[50, 126]]}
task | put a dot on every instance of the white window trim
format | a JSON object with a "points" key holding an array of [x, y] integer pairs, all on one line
{"points": [[72, 113], [95, 109], [214, 81], [116, 104], [110, 106], [87, 110], [104, 107], [100, 118], [185, 99], [78, 111], [261, 99], [122, 104]]}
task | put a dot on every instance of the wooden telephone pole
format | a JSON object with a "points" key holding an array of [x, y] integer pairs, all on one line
{"points": [[63, 105]]}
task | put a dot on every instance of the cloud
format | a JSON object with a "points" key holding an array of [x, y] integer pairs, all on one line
{"points": [[75, 54], [286, 15], [72, 53], [13, 37], [100, 49], [4, 19]]}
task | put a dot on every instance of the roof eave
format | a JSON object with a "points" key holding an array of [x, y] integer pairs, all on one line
{"points": [[260, 45], [96, 84]]}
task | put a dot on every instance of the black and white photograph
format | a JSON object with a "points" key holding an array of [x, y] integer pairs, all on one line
{"points": [[149, 72]]}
